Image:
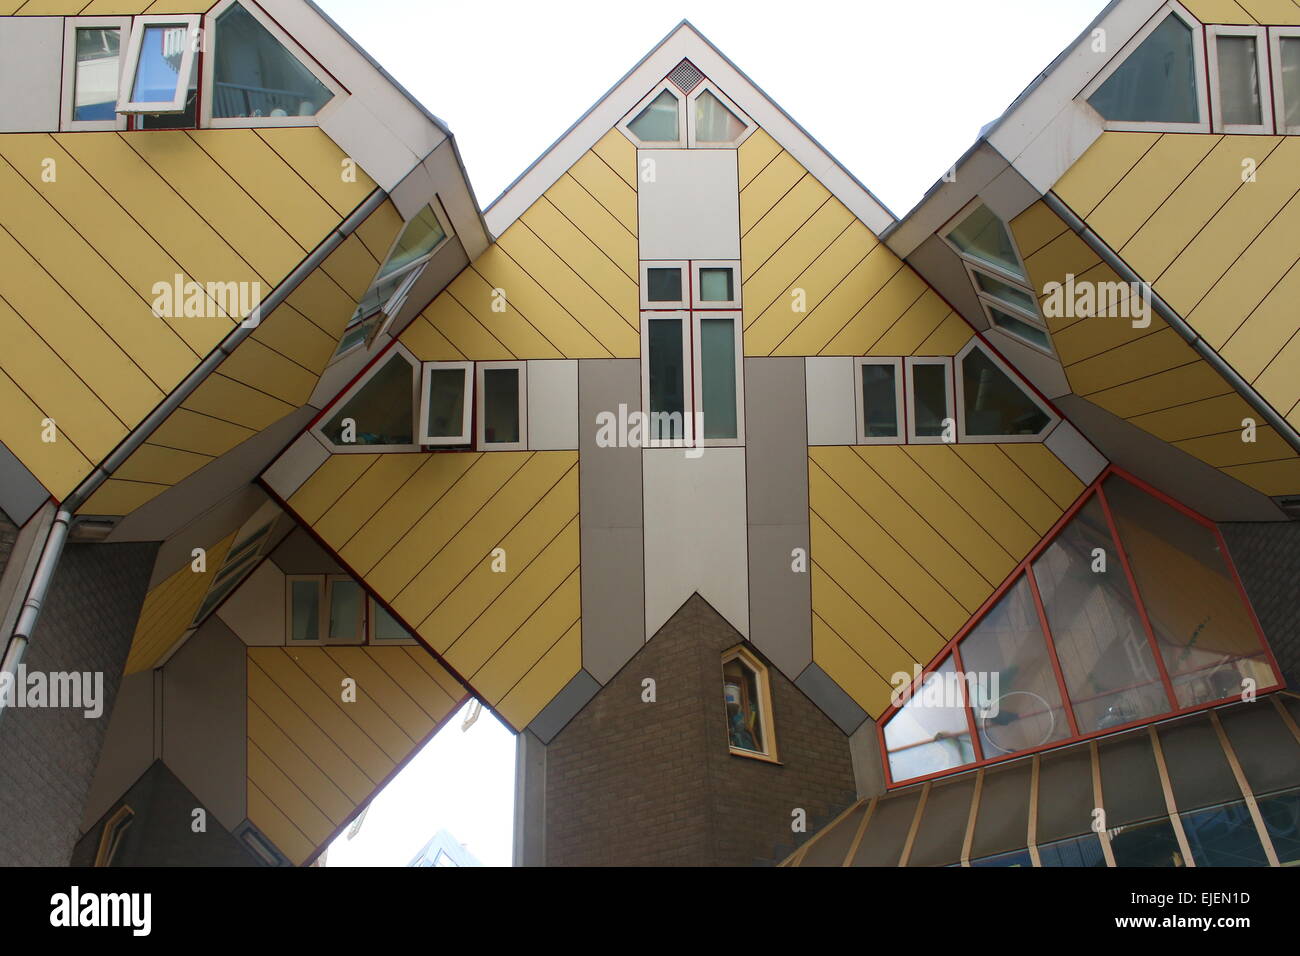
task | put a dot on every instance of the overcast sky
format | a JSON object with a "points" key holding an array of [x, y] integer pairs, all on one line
{"points": [[895, 91]]}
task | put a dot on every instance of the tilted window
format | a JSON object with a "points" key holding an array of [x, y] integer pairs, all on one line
{"points": [[1156, 82], [379, 412], [255, 75], [995, 405], [747, 703], [159, 69]]}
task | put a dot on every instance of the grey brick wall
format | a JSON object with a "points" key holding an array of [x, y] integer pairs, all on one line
{"points": [[1267, 555], [633, 783], [8, 535], [48, 756]]}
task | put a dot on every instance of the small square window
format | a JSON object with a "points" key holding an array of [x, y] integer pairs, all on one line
{"points": [[445, 403], [716, 285], [502, 406], [324, 609], [663, 284]]}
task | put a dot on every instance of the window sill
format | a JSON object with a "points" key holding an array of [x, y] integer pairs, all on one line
{"points": [[752, 755]]}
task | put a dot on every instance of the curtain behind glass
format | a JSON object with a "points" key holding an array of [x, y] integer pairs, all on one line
{"points": [[1157, 83]]}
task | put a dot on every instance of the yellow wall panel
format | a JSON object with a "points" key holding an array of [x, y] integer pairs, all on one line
{"points": [[160, 465], [1128, 206], [1269, 477], [532, 324], [1095, 174], [456, 323], [233, 401], [1277, 12], [1219, 11], [764, 285], [428, 344], [194, 431], [58, 465], [357, 505], [532, 640], [859, 629], [380, 229], [255, 364], [1046, 471], [879, 315], [618, 154], [607, 188], [849, 670], [764, 191], [536, 689], [297, 763], [594, 221], [1035, 228], [301, 341], [120, 497], [754, 154], [314, 155], [272, 821], [948, 338], [789, 213], [596, 266]]}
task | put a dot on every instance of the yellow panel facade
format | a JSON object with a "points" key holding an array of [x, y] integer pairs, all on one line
{"points": [[908, 542], [422, 531], [312, 759], [561, 282]]}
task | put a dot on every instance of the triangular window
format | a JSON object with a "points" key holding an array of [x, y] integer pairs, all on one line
{"points": [[658, 122], [1157, 83], [984, 237], [255, 76], [993, 403], [714, 123]]}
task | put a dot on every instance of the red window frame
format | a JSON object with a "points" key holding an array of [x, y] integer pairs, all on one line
{"points": [[1025, 569]]}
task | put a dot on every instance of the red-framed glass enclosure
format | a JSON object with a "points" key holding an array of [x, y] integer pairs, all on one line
{"points": [[1129, 611]]}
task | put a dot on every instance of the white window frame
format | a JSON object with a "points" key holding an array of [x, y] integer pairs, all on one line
{"points": [[327, 602], [330, 410], [900, 399], [422, 412], [959, 389], [208, 78], [989, 305], [70, 27], [1275, 37], [696, 413], [665, 306], [372, 609], [682, 119], [324, 588], [1199, 69], [726, 101], [131, 63], [722, 305], [763, 681], [480, 407], [992, 269], [910, 363], [1262, 71], [689, 389]]}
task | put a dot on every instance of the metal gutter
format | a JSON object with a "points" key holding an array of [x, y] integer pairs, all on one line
{"points": [[1175, 321], [57, 537]]}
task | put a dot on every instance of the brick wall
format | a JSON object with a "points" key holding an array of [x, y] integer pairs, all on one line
{"points": [[49, 755], [634, 783], [1267, 556]]}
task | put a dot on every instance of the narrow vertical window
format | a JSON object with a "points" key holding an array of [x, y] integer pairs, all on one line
{"points": [[346, 607], [502, 406], [718, 377], [1289, 68], [879, 400], [747, 705], [1239, 81], [666, 373], [930, 405], [304, 609], [445, 403], [94, 95]]}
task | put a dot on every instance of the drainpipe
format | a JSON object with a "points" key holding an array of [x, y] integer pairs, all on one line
{"points": [[57, 536], [1176, 321]]}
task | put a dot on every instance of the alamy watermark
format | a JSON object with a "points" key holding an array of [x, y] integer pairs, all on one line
{"points": [[75, 690], [948, 689], [1075, 299], [186, 299], [637, 429]]}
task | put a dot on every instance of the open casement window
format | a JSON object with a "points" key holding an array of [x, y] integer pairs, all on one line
{"points": [[256, 75], [1242, 94], [715, 284], [501, 410], [414, 247], [1130, 612], [324, 609], [659, 119], [1157, 81], [383, 628], [665, 284], [244, 555], [715, 121], [747, 704], [931, 409], [993, 404], [159, 68], [1284, 47], [878, 397], [446, 403], [92, 72], [378, 412]]}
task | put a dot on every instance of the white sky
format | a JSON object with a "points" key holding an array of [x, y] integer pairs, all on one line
{"points": [[895, 91]]}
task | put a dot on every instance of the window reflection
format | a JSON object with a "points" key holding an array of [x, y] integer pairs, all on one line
{"points": [[930, 734]]}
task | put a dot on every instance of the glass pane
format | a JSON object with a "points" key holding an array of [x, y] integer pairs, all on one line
{"points": [[1079, 851], [445, 403], [929, 733], [1014, 858], [1239, 100], [418, 239], [94, 94], [879, 401], [1204, 632], [157, 73], [1008, 293], [1147, 844], [718, 377], [714, 123], [1281, 814], [994, 404], [345, 611], [667, 380], [983, 235], [387, 627], [740, 695], [1030, 333], [930, 399], [501, 405], [657, 123], [1224, 836], [716, 285], [664, 285], [1290, 48], [1157, 83], [1017, 703], [381, 409], [1110, 673], [254, 75], [304, 624]]}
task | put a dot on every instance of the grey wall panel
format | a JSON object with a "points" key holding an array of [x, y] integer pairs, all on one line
{"points": [[613, 592], [552, 404], [20, 493], [942, 268], [780, 598], [688, 204], [31, 64], [128, 746], [832, 419], [204, 708], [830, 697], [299, 553], [207, 529], [564, 707]]}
